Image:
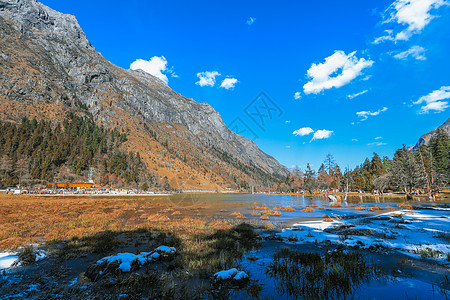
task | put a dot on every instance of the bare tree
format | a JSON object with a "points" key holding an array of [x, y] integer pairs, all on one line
{"points": [[382, 182]]}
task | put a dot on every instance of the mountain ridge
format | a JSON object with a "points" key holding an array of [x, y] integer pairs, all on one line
{"points": [[425, 138], [52, 64]]}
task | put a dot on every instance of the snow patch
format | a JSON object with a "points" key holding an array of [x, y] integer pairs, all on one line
{"points": [[125, 260], [226, 274], [231, 274], [416, 233], [7, 259], [240, 276]]}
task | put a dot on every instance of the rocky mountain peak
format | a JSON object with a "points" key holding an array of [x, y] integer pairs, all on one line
{"points": [[38, 17], [47, 60], [425, 139]]}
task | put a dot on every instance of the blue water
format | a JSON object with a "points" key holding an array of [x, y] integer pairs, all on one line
{"points": [[418, 279], [212, 204]]}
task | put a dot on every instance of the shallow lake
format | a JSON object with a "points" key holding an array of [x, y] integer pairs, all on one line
{"points": [[222, 204], [402, 276]]}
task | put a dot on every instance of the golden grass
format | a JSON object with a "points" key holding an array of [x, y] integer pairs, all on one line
{"points": [[276, 213], [336, 205], [269, 212], [404, 205], [288, 208], [308, 209], [360, 208], [328, 220], [158, 218], [30, 219], [390, 207], [375, 208], [264, 218]]}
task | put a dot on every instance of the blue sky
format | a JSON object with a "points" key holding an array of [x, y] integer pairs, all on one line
{"points": [[370, 75]]}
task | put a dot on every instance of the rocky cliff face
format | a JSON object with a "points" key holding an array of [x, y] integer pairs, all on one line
{"points": [[425, 139], [47, 64]]}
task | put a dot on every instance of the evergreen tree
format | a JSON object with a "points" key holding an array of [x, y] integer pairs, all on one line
{"points": [[309, 179], [406, 174]]}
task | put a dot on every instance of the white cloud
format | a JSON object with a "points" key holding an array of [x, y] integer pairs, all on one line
{"points": [[354, 140], [288, 147], [287, 122], [433, 100], [438, 106], [377, 144], [156, 66], [337, 70], [250, 21], [365, 114], [388, 37], [207, 78], [229, 83], [357, 94], [303, 131], [378, 137], [322, 134], [414, 14], [415, 51], [297, 95]]}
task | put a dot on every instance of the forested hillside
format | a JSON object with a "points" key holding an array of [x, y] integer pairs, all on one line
{"points": [[40, 151], [48, 67]]}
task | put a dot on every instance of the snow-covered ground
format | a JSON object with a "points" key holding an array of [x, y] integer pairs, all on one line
{"points": [[126, 259], [418, 233], [8, 259]]}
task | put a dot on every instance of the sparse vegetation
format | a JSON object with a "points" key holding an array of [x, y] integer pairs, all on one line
{"points": [[310, 275]]}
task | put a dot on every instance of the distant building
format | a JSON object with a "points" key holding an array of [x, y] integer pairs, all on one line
{"points": [[73, 186]]}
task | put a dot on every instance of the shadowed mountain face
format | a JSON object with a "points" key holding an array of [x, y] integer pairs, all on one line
{"points": [[425, 139], [47, 66]]}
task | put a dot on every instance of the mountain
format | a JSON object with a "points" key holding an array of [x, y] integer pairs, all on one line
{"points": [[425, 139], [48, 67]]}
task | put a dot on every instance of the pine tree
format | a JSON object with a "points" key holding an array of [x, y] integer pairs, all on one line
{"points": [[309, 179], [406, 174]]}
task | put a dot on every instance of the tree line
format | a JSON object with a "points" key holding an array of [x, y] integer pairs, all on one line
{"points": [[425, 169], [37, 152]]}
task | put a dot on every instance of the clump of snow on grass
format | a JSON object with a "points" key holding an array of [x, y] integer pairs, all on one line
{"points": [[230, 274], [126, 259], [40, 255], [226, 274], [416, 233], [240, 276], [166, 250]]}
